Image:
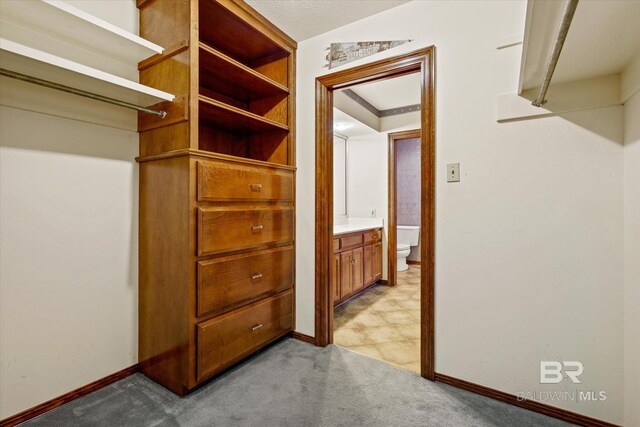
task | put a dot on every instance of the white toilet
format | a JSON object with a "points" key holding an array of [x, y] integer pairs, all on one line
{"points": [[406, 237]]}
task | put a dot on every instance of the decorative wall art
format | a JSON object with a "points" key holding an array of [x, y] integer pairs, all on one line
{"points": [[343, 53]]}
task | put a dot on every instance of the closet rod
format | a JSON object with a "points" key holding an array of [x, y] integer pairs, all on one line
{"points": [[567, 17], [63, 88]]}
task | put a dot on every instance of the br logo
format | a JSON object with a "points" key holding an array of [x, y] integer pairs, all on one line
{"points": [[551, 371]]}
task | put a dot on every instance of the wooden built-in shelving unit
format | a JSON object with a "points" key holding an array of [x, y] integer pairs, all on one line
{"points": [[217, 190]]}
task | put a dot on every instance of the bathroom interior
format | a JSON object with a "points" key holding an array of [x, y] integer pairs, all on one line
{"points": [[371, 315]]}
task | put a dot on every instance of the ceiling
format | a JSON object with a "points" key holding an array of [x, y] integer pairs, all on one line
{"points": [[303, 19], [391, 93], [603, 38], [382, 95], [348, 126]]}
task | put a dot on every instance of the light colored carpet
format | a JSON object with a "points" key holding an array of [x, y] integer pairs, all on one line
{"points": [[295, 384]]}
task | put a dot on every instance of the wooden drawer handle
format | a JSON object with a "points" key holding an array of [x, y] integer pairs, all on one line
{"points": [[255, 328], [256, 276], [257, 227], [255, 187]]}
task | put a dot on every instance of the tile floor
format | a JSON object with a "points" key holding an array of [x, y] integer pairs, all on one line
{"points": [[384, 322]]}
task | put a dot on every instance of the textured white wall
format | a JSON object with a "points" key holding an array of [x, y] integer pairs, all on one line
{"points": [[632, 258], [529, 245], [68, 253]]}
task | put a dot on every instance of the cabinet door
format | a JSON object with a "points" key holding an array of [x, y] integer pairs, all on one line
{"points": [[346, 267], [335, 277], [377, 261], [358, 270], [368, 264]]}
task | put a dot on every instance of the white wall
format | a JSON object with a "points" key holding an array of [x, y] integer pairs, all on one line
{"points": [[68, 253], [632, 256], [529, 245]]}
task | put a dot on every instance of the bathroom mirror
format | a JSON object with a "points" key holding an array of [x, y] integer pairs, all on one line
{"points": [[339, 175]]}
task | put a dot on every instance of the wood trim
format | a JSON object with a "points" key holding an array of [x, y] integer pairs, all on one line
{"points": [[256, 20], [421, 61], [303, 337], [412, 262], [142, 3], [324, 214], [392, 240], [177, 111], [541, 408], [68, 397], [168, 53], [212, 155]]}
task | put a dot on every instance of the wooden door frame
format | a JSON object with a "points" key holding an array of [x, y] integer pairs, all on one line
{"points": [[421, 61], [392, 238]]}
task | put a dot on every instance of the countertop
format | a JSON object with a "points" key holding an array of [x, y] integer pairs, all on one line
{"points": [[352, 228]]}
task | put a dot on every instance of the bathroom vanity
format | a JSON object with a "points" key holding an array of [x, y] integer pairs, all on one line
{"points": [[357, 261]]}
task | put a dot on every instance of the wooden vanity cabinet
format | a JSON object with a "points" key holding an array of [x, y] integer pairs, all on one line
{"points": [[335, 277], [376, 255], [357, 263], [346, 273]]}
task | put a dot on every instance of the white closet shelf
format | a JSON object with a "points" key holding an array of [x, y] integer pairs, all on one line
{"points": [[42, 65], [59, 18]]}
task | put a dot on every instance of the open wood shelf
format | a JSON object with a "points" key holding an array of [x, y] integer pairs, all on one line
{"points": [[57, 18], [234, 37], [233, 119], [32, 62], [225, 75]]}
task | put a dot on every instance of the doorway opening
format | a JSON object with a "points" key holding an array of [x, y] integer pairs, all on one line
{"points": [[363, 245]]}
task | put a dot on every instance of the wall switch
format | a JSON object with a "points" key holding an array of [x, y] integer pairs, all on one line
{"points": [[453, 172]]}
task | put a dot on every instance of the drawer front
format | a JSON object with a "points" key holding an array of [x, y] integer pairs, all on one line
{"points": [[336, 244], [372, 236], [220, 181], [229, 229], [230, 337], [350, 240], [228, 283]]}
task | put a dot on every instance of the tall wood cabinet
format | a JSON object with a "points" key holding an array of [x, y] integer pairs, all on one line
{"points": [[217, 190]]}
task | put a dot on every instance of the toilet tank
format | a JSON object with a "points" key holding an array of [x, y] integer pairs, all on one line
{"points": [[408, 234]]}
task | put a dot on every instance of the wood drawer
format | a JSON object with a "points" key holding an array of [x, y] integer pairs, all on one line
{"points": [[350, 240], [372, 236], [336, 245], [221, 181], [232, 336], [223, 229], [227, 283]]}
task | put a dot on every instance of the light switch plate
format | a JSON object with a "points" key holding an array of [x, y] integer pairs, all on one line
{"points": [[453, 172]]}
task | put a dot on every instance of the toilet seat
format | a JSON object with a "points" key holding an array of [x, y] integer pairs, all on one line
{"points": [[403, 246]]}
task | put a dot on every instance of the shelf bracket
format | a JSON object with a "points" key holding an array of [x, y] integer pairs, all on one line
{"points": [[79, 92]]}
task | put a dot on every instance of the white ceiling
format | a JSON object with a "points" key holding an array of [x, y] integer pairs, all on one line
{"points": [[385, 94], [348, 126], [603, 38], [391, 93], [303, 19]]}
